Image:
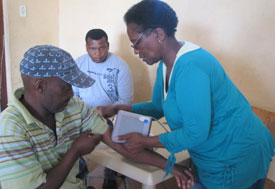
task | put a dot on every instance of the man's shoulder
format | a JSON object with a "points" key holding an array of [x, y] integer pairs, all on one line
{"points": [[75, 102], [82, 58], [11, 112], [11, 117], [75, 106], [116, 60]]}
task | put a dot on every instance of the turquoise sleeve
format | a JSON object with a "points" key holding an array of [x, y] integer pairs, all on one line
{"points": [[154, 107]]}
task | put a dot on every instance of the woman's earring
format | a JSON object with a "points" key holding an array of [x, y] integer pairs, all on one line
{"points": [[160, 41]]}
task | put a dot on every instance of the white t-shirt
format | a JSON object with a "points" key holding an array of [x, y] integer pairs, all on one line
{"points": [[113, 81]]}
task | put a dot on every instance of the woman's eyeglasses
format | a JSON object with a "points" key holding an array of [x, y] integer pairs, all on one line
{"points": [[137, 40]]}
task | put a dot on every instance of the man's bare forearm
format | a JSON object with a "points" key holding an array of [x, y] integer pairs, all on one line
{"points": [[57, 175], [84, 144], [145, 156]]}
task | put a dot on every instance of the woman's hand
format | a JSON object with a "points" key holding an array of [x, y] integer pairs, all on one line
{"points": [[183, 177], [107, 111], [134, 142]]}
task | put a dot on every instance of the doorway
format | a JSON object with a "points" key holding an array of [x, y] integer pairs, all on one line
{"points": [[3, 83]]}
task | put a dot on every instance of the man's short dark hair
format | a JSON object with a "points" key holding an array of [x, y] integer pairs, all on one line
{"points": [[96, 34], [151, 14]]}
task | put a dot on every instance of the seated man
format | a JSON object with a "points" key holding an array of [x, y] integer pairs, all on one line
{"points": [[113, 84], [112, 75], [45, 130]]}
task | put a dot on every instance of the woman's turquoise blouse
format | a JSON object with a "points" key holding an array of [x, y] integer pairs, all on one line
{"points": [[209, 117]]}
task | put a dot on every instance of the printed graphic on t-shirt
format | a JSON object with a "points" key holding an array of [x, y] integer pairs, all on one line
{"points": [[108, 82]]}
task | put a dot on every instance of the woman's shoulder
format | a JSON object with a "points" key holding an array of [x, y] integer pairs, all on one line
{"points": [[199, 58]]}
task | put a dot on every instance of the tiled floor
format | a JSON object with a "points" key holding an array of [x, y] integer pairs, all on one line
{"points": [[96, 175]]}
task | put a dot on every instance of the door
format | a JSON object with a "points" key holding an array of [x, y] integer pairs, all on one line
{"points": [[3, 85]]}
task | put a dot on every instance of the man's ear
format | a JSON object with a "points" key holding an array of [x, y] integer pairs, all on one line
{"points": [[86, 45], [160, 34], [40, 85]]}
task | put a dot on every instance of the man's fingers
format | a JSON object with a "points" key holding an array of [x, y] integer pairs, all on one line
{"points": [[96, 137], [86, 133]]}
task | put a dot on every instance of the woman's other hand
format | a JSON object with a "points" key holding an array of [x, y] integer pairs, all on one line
{"points": [[183, 177]]}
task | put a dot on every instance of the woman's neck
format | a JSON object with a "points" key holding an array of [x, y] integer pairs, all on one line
{"points": [[172, 47]]}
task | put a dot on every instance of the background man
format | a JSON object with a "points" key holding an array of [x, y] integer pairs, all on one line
{"points": [[113, 77], [113, 82]]}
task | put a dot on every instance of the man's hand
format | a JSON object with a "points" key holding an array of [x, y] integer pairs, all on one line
{"points": [[183, 177], [86, 142], [134, 142]]}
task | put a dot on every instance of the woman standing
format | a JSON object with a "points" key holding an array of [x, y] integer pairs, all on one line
{"points": [[229, 146]]}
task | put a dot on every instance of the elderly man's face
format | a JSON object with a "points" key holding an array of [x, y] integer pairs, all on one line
{"points": [[56, 95]]}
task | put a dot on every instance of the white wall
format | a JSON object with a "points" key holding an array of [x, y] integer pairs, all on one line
{"points": [[40, 26], [239, 33]]}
